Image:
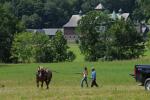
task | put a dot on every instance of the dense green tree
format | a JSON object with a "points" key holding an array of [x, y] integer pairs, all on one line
{"points": [[148, 41], [127, 43], [9, 25], [37, 47], [141, 11], [92, 35], [88, 5], [104, 38], [138, 14], [70, 56], [125, 5], [44, 48], [145, 5], [55, 13], [33, 21], [31, 47], [23, 49], [60, 46]]}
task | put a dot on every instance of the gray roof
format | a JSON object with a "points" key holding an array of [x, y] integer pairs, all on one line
{"points": [[99, 7], [73, 22], [125, 15], [119, 16], [48, 31], [35, 30], [114, 15], [52, 31]]}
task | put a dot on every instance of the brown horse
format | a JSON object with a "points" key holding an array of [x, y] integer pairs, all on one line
{"points": [[43, 75]]}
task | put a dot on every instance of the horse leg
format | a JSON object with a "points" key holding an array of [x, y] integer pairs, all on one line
{"points": [[42, 84], [37, 82], [47, 83]]}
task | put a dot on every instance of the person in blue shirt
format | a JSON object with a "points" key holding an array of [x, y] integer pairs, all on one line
{"points": [[93, 75], [85, 74]]}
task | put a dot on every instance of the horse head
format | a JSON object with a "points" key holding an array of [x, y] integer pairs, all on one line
{"points": [[43, 75], [39, 73]]}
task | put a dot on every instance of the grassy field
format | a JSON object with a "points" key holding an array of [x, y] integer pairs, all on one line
{"points": [[17, 81], [75, 48]]}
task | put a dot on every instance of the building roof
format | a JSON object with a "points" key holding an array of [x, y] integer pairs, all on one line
{"points": [[52, 31], [48, 31], [73, 22], [35, 30], [120, 10], [99, 7], [115, 15], [125, 15]]}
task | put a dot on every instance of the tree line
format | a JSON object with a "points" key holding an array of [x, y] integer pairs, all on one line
{"points": [[55, 13], [18, 15], [118, 39], [37, 47]]}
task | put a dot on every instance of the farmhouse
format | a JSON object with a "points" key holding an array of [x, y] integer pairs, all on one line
{"points": [[70, 32], [70, 27]]}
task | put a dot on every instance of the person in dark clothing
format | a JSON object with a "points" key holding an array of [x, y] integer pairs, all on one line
{"points": [[85, 74], [93, 75]]}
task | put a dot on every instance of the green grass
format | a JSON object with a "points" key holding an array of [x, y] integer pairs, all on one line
{"points": [[113, 78], [76, 50], [147, 53], [17, 81]]}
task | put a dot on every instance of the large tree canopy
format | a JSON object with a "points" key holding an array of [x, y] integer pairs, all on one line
{"points": [[9, 25], [37, 47], [55, 13], [145, 5], [104, 38], [92, 35], [127, 43], [15, 14]]}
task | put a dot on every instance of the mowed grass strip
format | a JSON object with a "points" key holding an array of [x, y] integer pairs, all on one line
{"points": [[17, 82], [75, 49]]}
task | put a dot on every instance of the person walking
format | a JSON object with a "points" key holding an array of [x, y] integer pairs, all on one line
{"points": [[85, 74], [93, 75]]}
